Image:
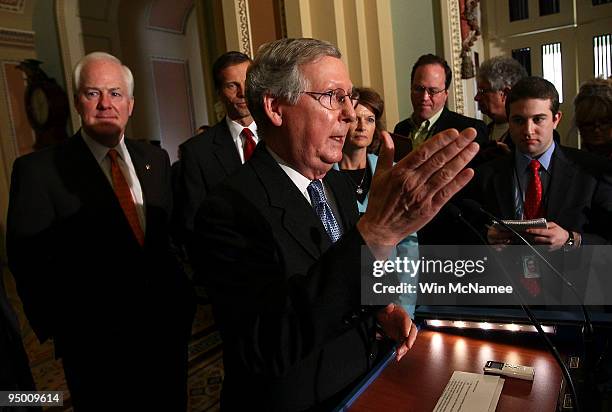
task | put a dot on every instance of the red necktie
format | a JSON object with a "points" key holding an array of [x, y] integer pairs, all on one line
{"points": [[533, 210], [249, 143], [124, 195], [533, 196]]}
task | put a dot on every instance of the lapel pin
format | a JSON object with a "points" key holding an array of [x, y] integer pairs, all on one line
{"points": [[148, 166]]}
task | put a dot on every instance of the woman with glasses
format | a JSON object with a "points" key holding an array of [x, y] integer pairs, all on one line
{"points": [[359, 163], [593, 115]]}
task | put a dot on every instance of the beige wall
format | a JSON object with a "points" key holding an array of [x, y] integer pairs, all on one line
{"points": [[411, 40], [16, 44]]}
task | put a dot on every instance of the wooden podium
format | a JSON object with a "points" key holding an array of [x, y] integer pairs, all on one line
{"points": [[416, 383]]}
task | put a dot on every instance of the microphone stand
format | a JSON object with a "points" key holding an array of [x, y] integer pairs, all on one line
{"points": [[587, 330], [535, 322]]}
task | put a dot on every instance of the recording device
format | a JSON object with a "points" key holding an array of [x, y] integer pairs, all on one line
{"points": [[507, 369]]}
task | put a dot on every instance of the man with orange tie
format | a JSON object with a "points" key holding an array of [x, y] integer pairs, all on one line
{"points": [[88, 245], [208, 158], [541, 178]]}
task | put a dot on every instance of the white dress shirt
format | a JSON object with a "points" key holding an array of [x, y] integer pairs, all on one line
{"points": [[235, 129], [302, 182]]}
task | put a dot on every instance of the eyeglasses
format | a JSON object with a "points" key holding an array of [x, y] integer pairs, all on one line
{"points": [[431, 91], [591, 126], [334, 99]]}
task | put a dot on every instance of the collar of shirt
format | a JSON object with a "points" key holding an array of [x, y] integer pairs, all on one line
{"points": [[432, 120], [296, 177], [521, 179], [127, 167], [100, 151], [235, 129], [522, 160], [302, 182]]}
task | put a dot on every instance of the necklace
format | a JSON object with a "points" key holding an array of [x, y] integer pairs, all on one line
{"points": [[359, 189]]}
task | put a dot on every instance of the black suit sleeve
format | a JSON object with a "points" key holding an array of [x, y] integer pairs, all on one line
{"points": [[29, 249], [272, 309], [191, 189]]}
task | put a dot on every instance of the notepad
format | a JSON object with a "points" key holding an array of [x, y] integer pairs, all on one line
{"points": [[470, 392], [522, 225]]}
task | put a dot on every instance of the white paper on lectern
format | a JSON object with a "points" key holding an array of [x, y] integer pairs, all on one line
{"points": [[470, 392]]}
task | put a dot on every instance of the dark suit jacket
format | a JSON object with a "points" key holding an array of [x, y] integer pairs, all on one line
{"points": [[579, 196], [83, 278], [436, 231], [206, 160], [448, 119], [15, 371], [286, 300]]}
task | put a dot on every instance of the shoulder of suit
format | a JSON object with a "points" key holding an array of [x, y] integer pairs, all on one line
{"points": [[200, 143], [43, 155], [404, 125], [495, 164], [144, 146], [476, 123], [586, 161]]}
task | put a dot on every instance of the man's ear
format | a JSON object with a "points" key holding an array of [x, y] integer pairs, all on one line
{"points": [[77, 104], [557, 118], [505, 92], [273, 110]]}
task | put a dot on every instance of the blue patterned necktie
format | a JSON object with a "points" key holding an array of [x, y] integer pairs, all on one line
{"points": [[321, 207]]}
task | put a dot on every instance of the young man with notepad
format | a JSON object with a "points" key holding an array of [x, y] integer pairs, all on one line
{"points": [[571, 189]]}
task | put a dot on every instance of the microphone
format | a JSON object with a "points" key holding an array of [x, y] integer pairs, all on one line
{"points": [[455, 212], [476, 207]]}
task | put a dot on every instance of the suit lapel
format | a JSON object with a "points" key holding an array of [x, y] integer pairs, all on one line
{"points": [[440, 125], [142, 166], [345, 198], [297, 216], [561, 180], [87, 173], [502, 182], [225, 149]]}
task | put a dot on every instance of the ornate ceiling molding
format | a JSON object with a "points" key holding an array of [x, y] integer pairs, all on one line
{"points": [[15, 6], [16, 38]]}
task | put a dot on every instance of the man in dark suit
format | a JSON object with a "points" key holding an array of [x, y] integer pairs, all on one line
{"points": [[208, 158], [543, 179], [430, 79], [575, 194], [88, 245], [282, 242]]}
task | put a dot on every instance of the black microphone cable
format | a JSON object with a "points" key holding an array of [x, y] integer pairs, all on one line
{"points": [[456, 212], [588, 325]]}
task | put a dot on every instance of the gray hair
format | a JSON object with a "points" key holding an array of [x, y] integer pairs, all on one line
{"points": [[501, 72], [88, 58], [276, 72]]}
